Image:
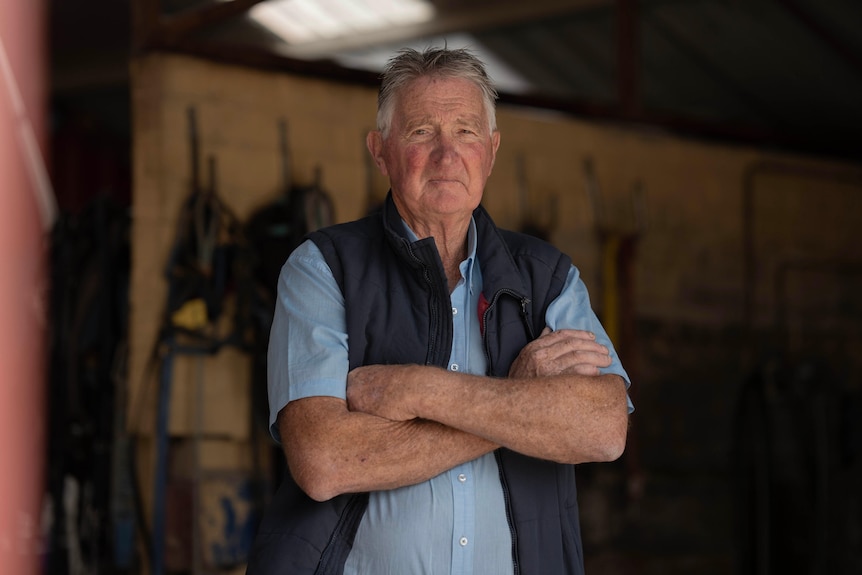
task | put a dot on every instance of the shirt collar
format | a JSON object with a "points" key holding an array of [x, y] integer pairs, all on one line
{"points": [[471, 246]]}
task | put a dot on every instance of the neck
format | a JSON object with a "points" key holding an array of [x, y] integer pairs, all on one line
{"points": [[452, 259], [451, 242], [450, 237]]}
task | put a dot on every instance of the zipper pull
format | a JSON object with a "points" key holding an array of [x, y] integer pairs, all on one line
{"points": [[524, 303]]}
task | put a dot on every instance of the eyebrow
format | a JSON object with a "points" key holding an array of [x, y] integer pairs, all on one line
{"points": [[471, 120]]}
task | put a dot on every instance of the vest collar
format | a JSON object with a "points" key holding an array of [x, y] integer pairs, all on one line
{"points": [[492, 253]]}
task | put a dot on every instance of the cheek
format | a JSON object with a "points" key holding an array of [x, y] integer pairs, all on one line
{"points": [[481, 161], [403, 161], [414, 160]]}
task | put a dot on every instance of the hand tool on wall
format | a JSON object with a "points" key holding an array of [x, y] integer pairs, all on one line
{"points": [[202, 269], [530, 221], [618, 247], [88, 304], [273, 231]]}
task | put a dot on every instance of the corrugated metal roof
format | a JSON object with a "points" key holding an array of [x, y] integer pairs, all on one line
{"points": [[787, 70], [784, 73]]}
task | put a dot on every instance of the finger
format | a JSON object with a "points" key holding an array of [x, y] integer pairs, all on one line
{"points": [[588, 365], [562, 337], [568, 349], [575, 333], [587, 362], [550, 338], [590, 358]]}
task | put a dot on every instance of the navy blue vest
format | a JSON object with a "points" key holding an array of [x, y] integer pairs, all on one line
{"points": [[398, 311]]}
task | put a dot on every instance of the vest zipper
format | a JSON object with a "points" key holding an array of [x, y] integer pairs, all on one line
{"points": [[335, 553], [434, 319], [524, 302], [516, 564], [504, 484]]}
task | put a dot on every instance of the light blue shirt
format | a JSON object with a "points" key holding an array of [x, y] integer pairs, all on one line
{"points": [[454, 523]]}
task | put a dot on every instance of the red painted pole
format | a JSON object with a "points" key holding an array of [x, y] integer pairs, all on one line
{"points": [[24, 218]]}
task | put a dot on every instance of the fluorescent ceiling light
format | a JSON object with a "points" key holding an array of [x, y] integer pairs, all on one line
{"points": [[304, 21], [504, 77]]}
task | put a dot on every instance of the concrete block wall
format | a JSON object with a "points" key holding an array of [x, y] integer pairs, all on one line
{"points": [[692, 347]]}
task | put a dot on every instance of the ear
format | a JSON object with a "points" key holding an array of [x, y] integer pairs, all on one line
{"points": [[495, 144], [374, 141]]}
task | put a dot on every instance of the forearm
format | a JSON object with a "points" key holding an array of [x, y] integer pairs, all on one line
{"points": [[566, 418], [331, 450]]}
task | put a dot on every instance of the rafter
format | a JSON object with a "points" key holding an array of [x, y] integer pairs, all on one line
{"points": [[154, 29]]}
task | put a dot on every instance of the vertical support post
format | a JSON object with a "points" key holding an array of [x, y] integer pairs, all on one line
{"points": [[628, 56], [26, 213], [146, 20]]}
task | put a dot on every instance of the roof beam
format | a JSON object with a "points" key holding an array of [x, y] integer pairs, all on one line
{"points": [[151, 28], [175, 27]]}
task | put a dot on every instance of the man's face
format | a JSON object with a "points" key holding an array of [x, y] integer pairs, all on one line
{"points": [[439, 151]]}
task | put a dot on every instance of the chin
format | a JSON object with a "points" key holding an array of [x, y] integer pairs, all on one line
{"points": [[456, 205], [453, 192]]}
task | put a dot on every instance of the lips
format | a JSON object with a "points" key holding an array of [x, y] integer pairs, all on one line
{"points": [[446, 180]]}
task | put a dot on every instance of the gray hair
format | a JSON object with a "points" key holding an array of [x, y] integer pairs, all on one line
{"points": [[409, 65]]}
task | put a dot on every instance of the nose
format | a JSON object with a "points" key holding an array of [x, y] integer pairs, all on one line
{"points": [[445, 149]]}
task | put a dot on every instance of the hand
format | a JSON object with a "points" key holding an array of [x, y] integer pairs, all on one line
{"points": [[567, 351], [380, 390]]}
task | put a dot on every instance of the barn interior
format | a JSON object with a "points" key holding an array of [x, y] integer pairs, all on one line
{"points": [[699, 160]]}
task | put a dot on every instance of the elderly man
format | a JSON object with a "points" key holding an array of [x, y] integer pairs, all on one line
{"points": [[433, 378]]}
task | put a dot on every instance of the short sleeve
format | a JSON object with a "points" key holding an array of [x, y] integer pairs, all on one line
{"points": [[572, 310], [307, 353]]}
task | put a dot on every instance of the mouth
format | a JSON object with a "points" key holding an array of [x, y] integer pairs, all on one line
{"points": [[444, 181]]}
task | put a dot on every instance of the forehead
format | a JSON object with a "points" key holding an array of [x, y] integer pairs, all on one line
{"points": [[434, 95]]}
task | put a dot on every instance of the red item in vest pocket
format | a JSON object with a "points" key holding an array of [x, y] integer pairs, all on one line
{"points": [[483, 305]]}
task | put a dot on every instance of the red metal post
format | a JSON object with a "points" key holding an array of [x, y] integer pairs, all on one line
{"points": [[22, 283]]}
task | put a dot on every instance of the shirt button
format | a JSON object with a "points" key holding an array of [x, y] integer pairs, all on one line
{"points": [[463, 541], [454, 367], [462, 478], [454, 311]]}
